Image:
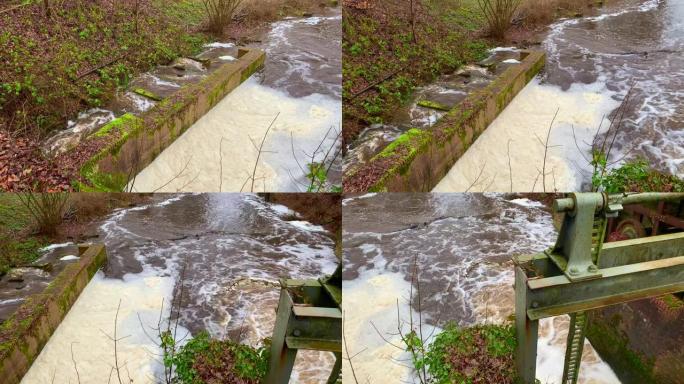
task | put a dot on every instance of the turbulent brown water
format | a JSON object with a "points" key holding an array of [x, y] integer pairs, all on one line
{"points": [[591, 65], [463, 244], [233, 249], [299, 90]]}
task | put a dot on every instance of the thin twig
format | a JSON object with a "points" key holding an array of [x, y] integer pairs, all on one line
{"points": [[73, 360], [546, 149], [477, 178], [256, 164], [346, 349], [510, 168]]}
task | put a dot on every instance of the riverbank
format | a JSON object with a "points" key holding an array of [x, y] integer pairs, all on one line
{"points": [[223, 254], [389, 50], [321, 209], [83, 57], [626, 137], [384, 62], [21, 240]]}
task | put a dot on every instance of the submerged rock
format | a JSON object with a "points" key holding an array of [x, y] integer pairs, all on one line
{"points": [[15, 276], [186, 64]]}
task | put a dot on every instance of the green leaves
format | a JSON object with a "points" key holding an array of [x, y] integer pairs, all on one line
{"points": [[318, 175], [467, 355], [633, 176], [202, 353]]}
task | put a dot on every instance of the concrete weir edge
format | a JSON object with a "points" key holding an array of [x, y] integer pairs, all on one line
{"points": [[135, 141], [25, 333], [418, 159]]}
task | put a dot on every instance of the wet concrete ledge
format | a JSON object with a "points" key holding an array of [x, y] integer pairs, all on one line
{"points": [[134, 142], [25, 333], [417, 160]]}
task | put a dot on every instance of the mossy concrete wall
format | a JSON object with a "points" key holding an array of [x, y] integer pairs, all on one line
{"points": [[26, 332], [419, 159], [643, 341], [136, 141]]}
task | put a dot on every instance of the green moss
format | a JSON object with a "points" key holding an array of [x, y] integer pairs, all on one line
{"points": [[411, 140], [118, 123], [102, 181], [673, 302], [148, 94], [433, 105], [252, 68], [613, 346], [130, 126], [97, 181]]}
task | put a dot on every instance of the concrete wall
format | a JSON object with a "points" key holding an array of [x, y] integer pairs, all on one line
{"points": [[419, 159], [25, 333], [641, 340], [136, 141]]}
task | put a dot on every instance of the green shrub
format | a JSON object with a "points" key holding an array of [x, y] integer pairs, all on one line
{"points": [[203, 357], [478, 354], [633, 176]]}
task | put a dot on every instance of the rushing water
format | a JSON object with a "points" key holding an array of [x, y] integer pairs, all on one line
{"points": [[299, 90], [17, 285], [592, 63], [232, 249], [463, 246]]}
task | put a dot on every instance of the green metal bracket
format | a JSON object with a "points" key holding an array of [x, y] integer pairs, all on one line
{"points": [[579, 274], [581, 237], [309, 316]]}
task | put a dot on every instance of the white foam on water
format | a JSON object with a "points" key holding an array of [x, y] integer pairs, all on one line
{"points": [[553, 333], [525, 123], [227, 58], [99, 120], [300, 59], [282, 210], [503, 49], [162, 82], [12, 301], [69, 258], [219, 44], [527, 202], [364, 196], [306, 226], [233, 130], [142, 103], [293, 250], [370, 303], [88, 326], [472, 282], [653, 133], [52, 247]]}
